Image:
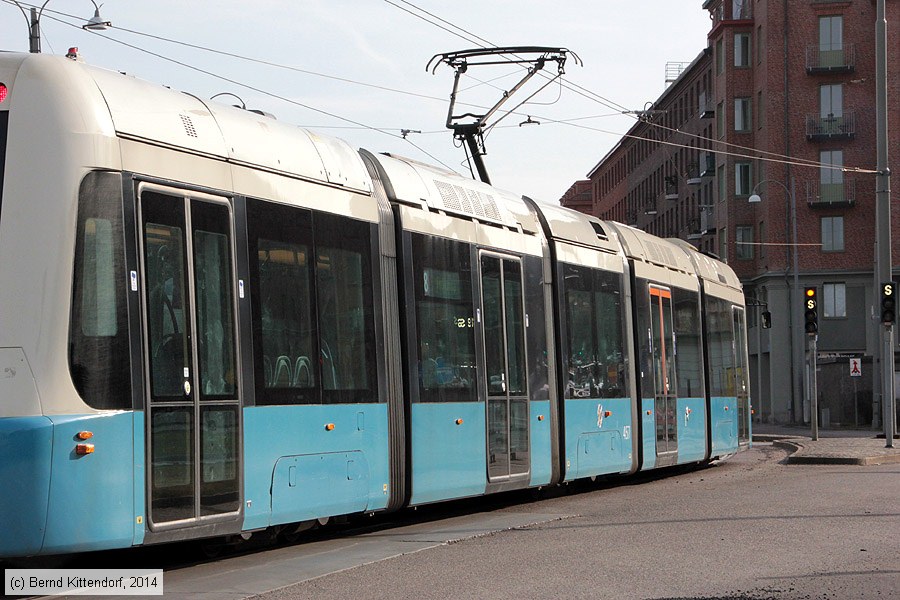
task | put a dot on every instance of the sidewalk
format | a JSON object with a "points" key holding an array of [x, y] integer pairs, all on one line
{"points": [[834, 446]]}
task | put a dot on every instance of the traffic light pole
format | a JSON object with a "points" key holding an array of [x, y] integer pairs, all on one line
{"points": [[813, 390], [887, 399]]}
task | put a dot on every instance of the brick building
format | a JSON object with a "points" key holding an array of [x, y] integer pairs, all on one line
{"points": [[778, 79]]}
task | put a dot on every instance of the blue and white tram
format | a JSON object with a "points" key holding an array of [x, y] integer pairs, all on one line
{"points": [[727, 371], [215, 323]]}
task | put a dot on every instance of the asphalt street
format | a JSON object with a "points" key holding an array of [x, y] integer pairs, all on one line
{"points": [[752, 527]]}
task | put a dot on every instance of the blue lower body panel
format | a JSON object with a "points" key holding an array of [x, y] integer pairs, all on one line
{"points": [[92, 501], [53, 500], [449, 460], [296, 468], [541, 443], [25, 444], [648, 434], [691, 415], [598, 436], [723, 423]]}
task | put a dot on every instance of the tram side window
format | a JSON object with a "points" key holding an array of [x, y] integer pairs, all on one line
{"points": [[444, 319], [214, 298], [312, 306], [595, 355], [644, 347], [284, 330], [98, 332], [536, 333], [687, 339], [720, 346], [346, 318]]}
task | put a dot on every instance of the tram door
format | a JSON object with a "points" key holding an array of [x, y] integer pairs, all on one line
{"points": [[662, 340], [193, 401], [741, 376], [507, 385]]}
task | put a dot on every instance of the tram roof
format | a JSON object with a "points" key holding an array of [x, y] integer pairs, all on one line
{"points": [[155, 114], [566, 224], [433, 188], [708, 268], [640, 245]]}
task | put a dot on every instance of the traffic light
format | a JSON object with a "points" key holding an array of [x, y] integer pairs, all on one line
{"points": [[811, 316], [888, 302]]}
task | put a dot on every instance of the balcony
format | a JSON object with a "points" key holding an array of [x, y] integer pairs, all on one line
{"points": [[728, 11], [828, 195], [741, 10], [830, 127], [707, 108], [707, 220], [830, 60], [671, 187], [708, 161]]}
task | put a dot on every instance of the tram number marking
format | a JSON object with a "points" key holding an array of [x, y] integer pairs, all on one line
{"points": [[626, 434]]}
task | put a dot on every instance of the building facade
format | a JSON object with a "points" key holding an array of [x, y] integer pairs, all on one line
{"points": [[762, 153]]}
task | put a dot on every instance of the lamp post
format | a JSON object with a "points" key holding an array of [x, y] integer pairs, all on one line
{"points": [[95, 23], [794, 304], [883, 217]]}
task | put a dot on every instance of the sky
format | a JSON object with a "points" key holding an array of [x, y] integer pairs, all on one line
{"points": [[624, 46]]}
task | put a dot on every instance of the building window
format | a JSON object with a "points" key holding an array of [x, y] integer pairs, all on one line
{"points": [[831, 176], [744, 242], [832, 234], [831, 43], [831, 33], [835, 300], [742, 49], [720, 56], [743, 179], [831, 101], [723, 245], [742, 114]]}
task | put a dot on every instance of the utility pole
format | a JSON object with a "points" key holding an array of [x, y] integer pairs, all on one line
{"points": [[883, 218]]}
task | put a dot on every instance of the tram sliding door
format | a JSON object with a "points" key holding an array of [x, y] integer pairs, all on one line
{"points": [[505, 362], [193, 399], [663, 352]]}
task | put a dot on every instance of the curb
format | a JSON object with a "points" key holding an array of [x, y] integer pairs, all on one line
{"points": [[798, 458]]}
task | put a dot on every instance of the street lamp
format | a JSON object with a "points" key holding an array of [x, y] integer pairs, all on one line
{"points": [[95, 23], [794, 303]]}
